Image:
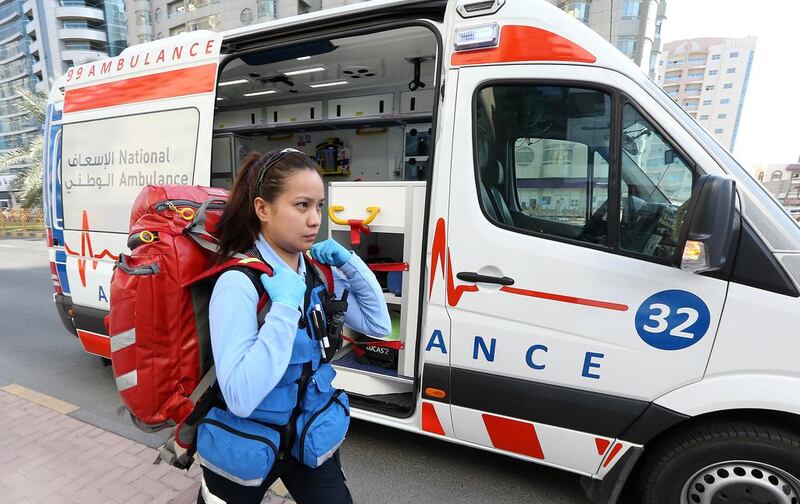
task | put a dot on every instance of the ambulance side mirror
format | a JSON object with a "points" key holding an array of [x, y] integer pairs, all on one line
{"points": [[708, 235]]}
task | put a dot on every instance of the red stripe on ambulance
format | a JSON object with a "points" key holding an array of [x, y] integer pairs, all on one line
{"points": [[602, 445], [94, 343], [172, 84], [430, 420], [525, 43], [513, 435]]}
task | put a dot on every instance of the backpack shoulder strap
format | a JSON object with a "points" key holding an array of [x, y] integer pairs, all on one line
{"points": [[323, 273]]}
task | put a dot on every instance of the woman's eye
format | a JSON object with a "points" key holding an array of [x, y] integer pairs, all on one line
{"points": [[302, 204]]}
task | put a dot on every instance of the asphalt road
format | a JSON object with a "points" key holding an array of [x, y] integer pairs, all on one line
{"points": [[382, 465]]}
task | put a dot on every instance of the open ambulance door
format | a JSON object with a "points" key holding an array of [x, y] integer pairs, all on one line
{"points": [[144, 117]]}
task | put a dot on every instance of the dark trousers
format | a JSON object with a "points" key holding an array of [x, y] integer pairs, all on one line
{"points": [[323, 485]]}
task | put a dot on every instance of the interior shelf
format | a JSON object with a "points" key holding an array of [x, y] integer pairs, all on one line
{"points": [[332, 124]]}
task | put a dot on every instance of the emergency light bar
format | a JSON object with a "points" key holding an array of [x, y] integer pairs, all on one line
{"points": [[474, 8], [477, 37]]}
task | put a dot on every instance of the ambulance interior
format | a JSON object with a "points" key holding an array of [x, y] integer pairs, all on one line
{"points": [[363, 107]]}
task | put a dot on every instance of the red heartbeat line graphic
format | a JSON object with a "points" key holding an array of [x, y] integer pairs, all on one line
{"points": [[86, 250], [454, 292]]}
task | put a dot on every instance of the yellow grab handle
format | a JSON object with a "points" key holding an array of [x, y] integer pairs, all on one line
{"points": [[373, 212]]}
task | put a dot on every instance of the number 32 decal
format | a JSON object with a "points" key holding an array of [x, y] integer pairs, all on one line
{"points": [[672, 320]]}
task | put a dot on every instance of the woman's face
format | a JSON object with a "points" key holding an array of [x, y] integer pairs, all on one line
{"points": [[292, 221]]}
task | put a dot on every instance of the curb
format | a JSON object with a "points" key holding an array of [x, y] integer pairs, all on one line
{"points": [[23, 234]]}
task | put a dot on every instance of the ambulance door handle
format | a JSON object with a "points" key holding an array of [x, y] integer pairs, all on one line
{"points": [[469, 276]]}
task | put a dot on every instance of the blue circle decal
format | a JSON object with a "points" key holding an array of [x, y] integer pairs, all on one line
{"points": [[672, 320]]}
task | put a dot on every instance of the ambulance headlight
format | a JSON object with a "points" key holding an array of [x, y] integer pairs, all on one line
{"points": [[477, 37]]}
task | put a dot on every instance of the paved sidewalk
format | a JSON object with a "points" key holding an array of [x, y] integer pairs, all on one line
{"points": [[49, 457]]}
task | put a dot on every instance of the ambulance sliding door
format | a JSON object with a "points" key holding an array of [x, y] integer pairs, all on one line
{"points": [[567, 316], [142, 118]]}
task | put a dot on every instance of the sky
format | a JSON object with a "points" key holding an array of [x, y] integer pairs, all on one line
{"points": [[769, 130]]}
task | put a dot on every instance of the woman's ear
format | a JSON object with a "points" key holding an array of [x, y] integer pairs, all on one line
{"points": [[262, 209]]}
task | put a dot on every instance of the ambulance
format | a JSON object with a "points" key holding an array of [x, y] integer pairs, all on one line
{"points": [[580, 275]]}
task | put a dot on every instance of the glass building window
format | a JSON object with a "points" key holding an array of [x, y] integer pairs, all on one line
{"points": [[630, 9], [578, 10], [246, 16], [722, 116], [143, 18], [731, 70], [206, 23], [177, 30], [704, 117], [709, 88], [706, 102], [719, 131], [724, 101], [267, 8], [159, 15], [728, 86], [175, 8], [715, 56], [713, 72], [734, 54], [627, 45]]}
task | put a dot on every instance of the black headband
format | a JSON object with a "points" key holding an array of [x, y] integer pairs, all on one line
{"points": [[271, 160]]}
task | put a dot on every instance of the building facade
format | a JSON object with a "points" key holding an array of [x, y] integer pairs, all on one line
{"points": [[65, 33], [17, 69], [783, 181], [633, 26], [154, 19], [708, 77]]}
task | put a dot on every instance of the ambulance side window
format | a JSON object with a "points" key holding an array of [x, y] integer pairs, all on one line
{"points": [[542, 152], [656, 185]]}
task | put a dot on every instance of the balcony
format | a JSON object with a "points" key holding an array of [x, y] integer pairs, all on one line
{"points": [[82, 34], [30, 27], [35, 47], [27, 7], [37, 67], [12, 58], [80, 56], [80, 12], [672, 78], [693, 92]]}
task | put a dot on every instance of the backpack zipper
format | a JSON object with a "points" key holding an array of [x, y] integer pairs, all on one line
{"points": [[165, 205], [239, 433], [333, 399]]}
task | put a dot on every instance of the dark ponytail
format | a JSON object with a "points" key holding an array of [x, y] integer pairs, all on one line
{"points": [[239, 225]]}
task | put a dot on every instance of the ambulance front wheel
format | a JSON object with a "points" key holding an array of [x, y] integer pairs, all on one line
{"points": [[724, 462]]}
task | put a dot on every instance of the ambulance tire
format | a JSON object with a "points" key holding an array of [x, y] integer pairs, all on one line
{"points": [[727, 459]]}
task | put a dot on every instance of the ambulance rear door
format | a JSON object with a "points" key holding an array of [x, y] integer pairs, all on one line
{"points": [[568, 316], [144, 117]]}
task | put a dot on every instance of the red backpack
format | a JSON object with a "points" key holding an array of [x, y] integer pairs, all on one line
{"points": [[158, 320]]}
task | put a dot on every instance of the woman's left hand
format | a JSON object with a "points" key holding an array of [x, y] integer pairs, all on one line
{"points": [[330, 252]]}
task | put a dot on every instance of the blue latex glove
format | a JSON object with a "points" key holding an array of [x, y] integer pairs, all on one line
{"points": [[331, 252], [285, 287]]}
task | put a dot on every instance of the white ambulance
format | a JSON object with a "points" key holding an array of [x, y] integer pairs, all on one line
{"points": [[582, 277]]}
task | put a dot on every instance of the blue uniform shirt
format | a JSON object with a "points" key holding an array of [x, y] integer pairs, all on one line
{"points": [[250, 361]]}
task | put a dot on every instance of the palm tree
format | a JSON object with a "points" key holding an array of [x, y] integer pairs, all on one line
{"points": [[26, 161]]}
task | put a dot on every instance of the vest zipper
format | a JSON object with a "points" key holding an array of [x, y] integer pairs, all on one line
{"points": [[239, 433], [333, 399]]}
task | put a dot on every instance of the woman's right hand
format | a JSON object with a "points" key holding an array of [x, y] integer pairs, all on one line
{"points": [[285, 287]]}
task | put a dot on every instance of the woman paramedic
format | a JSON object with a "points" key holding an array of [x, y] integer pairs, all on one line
{"points": [[283, 417]]}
